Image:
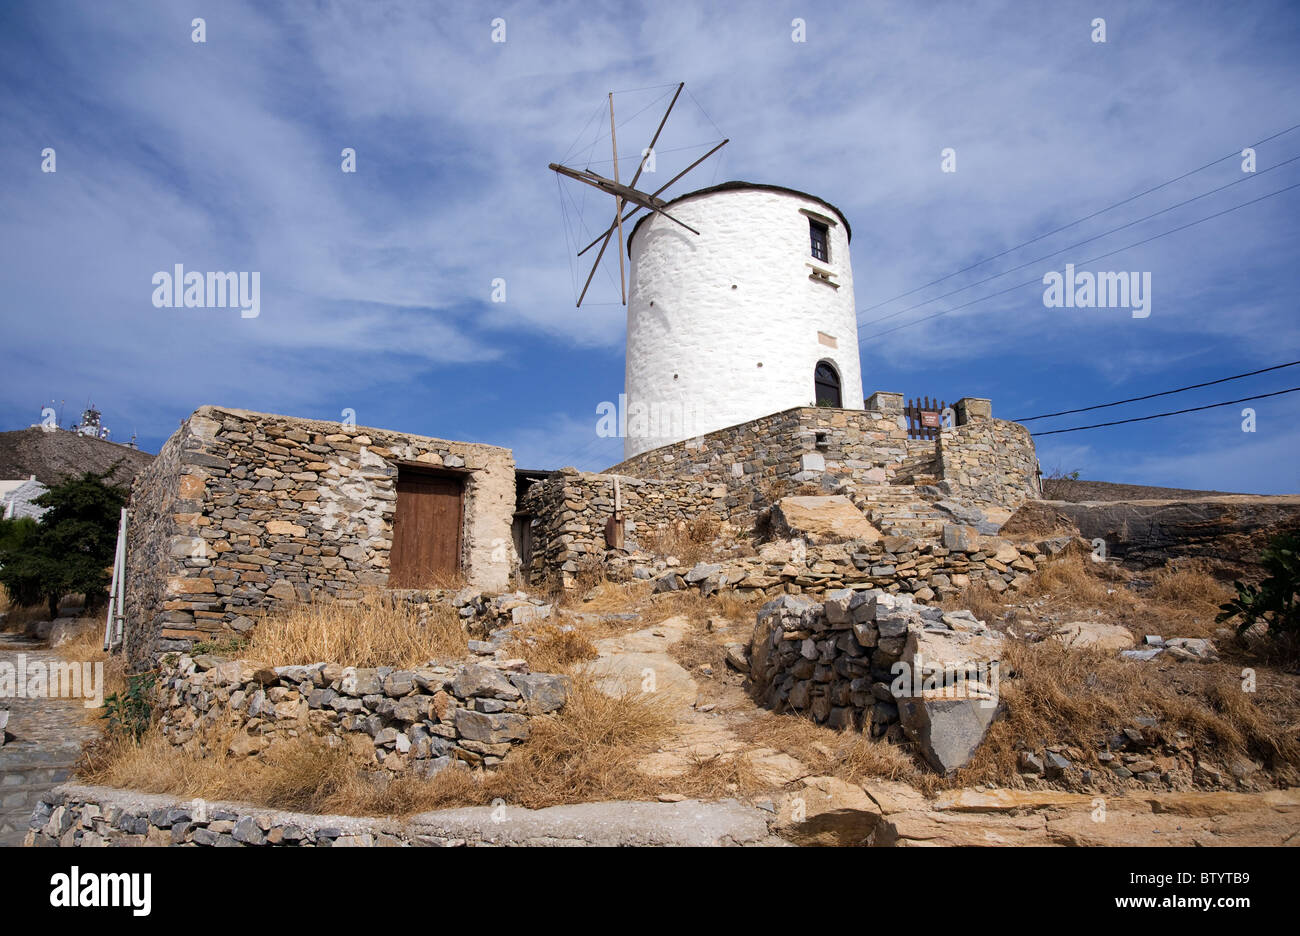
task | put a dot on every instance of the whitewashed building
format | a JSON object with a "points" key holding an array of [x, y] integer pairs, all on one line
{"points": [[752, 316]]}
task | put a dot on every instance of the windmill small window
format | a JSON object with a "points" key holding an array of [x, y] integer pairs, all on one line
{"points": [[821, 242], [827, 382]]}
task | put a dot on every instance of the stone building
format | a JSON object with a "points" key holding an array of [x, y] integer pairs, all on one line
{"points": [[753, 317], [242, 510]]}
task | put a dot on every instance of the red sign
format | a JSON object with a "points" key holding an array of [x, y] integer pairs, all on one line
{"points": [[930, 420]]}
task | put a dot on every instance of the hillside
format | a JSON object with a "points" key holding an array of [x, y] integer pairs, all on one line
{"points": [[52, 455]]}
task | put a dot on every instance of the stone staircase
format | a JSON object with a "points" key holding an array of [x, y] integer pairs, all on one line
{"points": [[918, 470], [900, 510]]}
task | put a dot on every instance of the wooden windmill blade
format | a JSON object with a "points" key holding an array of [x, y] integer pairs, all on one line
{"points": [[653, 196], [627, 194]]}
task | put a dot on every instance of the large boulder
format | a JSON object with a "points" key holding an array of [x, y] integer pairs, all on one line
{"points": [[832, 518], [946, 688], [1097, 635]]}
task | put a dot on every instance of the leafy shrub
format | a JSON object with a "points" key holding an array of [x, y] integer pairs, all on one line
{"points": [[1274, 600], [131, 713]]}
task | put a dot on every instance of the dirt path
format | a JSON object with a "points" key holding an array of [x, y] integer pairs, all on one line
{"points": [[642, 661], [46, 739]]}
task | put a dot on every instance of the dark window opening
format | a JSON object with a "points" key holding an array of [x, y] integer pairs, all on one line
{"points": [[828, 385], [821, 244]]}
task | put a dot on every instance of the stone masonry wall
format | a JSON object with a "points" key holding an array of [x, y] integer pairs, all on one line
{"points": [[989, 463], [570, 510], [985, 462], [926, 570], [153, 519], [242, 510], [420, 720], [795, 445]]}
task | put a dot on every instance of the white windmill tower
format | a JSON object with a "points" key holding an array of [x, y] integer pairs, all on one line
{"points": [[739, 304]]}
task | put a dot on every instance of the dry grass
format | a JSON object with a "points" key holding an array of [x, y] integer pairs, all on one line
{"points": [[88, 647], [1079, 698], [980, 601], [691, 542], [852, 756], [697, 609], [381, 629], [1079, 580], [584, 753], [549, 648]]}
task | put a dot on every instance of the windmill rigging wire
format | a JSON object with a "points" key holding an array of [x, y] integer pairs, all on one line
{"points": [[988, 279], [1109, 253], [581, 133], [623, 123], [1078, 220], [1193, 409], [1152, 396]]}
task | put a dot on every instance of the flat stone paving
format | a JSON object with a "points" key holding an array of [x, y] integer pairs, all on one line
{"points": [[45, 740]]}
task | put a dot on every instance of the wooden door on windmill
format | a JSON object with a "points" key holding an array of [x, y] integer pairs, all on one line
{"points": [[426, 529]]}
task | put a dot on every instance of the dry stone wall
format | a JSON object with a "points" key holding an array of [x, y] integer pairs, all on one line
{"points": [[880, 663], [570, 510], [421, 720], [982, 462], [925, 570], [243, 510], [793, 446]]}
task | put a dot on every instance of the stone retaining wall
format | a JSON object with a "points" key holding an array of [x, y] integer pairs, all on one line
{"points": [[792, 446], [81, 816], [421, 720], [929, 571], [880, 663], [243, 510], [989, 463], [981, 461]]}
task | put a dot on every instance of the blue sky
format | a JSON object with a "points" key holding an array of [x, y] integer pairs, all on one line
{"points": [[376, 286]]}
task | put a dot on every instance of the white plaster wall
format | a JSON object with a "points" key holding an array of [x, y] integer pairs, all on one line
{"points": [[704, 312]]}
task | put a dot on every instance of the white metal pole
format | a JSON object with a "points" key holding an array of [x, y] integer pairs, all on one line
{"points": [[112, 590], [121, 576]]}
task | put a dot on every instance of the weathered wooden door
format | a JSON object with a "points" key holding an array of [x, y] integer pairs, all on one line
{"points": [[426, 529]]}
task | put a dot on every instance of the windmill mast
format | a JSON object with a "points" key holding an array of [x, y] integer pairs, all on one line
{"points": [[627, 194], [618, 202]]}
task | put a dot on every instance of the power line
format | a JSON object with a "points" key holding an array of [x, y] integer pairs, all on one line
{"points": [[1194, 409], [1088, 240], [1145, 240], [1152, 396], [1077, 221]]}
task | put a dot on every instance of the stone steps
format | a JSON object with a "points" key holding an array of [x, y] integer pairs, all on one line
{"points": [[900, 510]]}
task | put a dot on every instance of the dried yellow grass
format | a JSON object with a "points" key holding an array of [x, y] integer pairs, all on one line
{"points": [[1055, 695], [381, 629]]}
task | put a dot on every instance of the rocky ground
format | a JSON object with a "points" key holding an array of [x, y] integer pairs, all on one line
{"points": [[1125, 720]]}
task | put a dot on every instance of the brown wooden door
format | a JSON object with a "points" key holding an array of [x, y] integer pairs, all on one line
{"points": [[426, 529]]}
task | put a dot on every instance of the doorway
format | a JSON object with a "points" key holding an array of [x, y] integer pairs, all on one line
{"points": [[426, 528]]}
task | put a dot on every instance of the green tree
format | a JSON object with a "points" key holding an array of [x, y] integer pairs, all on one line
{"points": [[71, 549]]}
